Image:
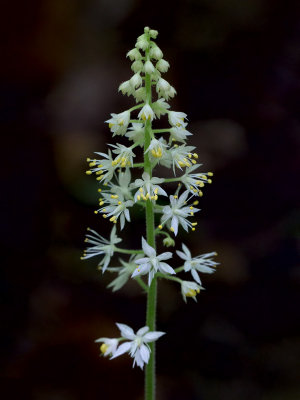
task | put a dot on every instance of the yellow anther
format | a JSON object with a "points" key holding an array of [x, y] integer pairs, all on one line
{"points": [[210, 174], [160, 226], [191, 187], [191, 207], [147, 196], [121, 122], [189, 155], [99, 172], [185, 160], [175, 197], [99, 178], [195, 155], [203, 176], [172, 229], [104, 216], [114, 196], [194, 223], [191, 213], [209, 180], [88, 172], [181, 163], [103, 210], [104, 184], [95, 212], [101, 203], [138, 197], [141, 190], [88, 228], [92, 164], [99, 190], [188, 164], [119, 202], [153, 152], [156, 190], [194, 161], [175, 145], [88, 159], [86, 240], [112, 219], [193, 229], [144, 197], [191, 293], [103, 348], [196, 202], [200, 193], [152, 197], [110, 125], [155, 197]]}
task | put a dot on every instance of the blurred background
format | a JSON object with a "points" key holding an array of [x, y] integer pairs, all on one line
{"points": [[235, 66]]}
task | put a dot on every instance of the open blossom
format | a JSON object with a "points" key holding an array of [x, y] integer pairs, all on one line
{"points": [[148, 188], [124, 155], [202, 263], [179, 134], [177, 213], [164, 89], [114, 207], [137, 347], [104, 168], [194, 181], [100, 246], [136, 133], [119, 122], [182, 156], [108, 346], [153, 263]]}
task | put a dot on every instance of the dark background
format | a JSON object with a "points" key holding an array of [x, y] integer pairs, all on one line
{"points": [[235, 66]]}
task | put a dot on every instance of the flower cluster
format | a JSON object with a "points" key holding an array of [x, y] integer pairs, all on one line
{"points": [[125, 184]]}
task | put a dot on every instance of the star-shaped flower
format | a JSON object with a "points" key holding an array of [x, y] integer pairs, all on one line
{"points": [[153, 263], [137, 347], [202, 263]]}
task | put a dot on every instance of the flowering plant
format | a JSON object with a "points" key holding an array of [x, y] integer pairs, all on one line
{"points": [[120, 192]]}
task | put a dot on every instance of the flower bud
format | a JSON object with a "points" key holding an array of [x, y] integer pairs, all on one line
{"points": [[153, 33], [134, 54], [137, 66], [162, 65], [168, 242], [156, 52], [136, 80], [149, 67]]}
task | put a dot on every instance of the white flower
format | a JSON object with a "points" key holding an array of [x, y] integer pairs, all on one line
{"points": [[177, 119], [134, 54], [104, 168], [153, 263], [177, 213], [138, 347], [190, 289], [136, 80], [195, 181], [108, 347], [142, 42], [100, 246], [155, 52], [122, 188], [202, 263], [160, 107], [182, 156], [126, 88], [146, 113], [125, 155], [162, 65], [137, 66], [140, 94], [179, 134], [149, 67], [115, 207], [157, 148], [124, 273], [148, 188], [119, 122], [164, 89], [136, 133]]}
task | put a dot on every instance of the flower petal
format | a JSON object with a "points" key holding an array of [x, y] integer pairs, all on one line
{"points": [[123, 348], [164, 267], [142, 331], [148, 250], [145, 353], [195, 276], [152, 336], [165, 256], [126, 331]]}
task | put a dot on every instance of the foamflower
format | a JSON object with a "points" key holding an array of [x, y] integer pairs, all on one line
{"points": [[190, 289], [119, 122], [137, 347], [153, 263], [202, 263], [108, 346]]}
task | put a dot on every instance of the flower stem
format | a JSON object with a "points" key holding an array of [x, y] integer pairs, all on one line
{"points": [[150, 232], [127, 251]]}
